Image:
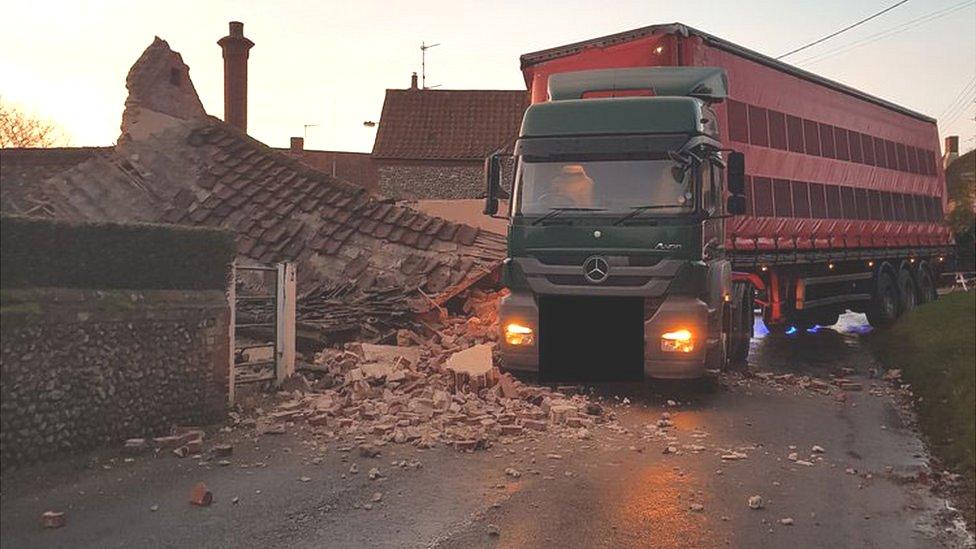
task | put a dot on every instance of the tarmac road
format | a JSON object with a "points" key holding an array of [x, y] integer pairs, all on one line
{"points": [[617, 489]]}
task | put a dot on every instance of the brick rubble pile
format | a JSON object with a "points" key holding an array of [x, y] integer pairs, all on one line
{"points": [[441, 389]]}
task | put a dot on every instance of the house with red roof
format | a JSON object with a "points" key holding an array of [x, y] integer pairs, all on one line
{"points": [[432, 143]]}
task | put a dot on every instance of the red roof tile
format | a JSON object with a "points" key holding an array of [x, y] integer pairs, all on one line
{"points": [[281, 208], [448, 124]]}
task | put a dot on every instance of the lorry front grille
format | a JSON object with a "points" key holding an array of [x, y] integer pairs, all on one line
{"points": [[577, 258], [619, 281]]}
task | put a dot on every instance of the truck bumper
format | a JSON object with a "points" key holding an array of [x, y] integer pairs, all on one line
{"points": [[675, 313]]}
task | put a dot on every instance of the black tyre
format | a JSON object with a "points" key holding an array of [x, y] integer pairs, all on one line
{"points": [[925, 284], [717, 357], [907, 295], [883, 310], [742, 323]]}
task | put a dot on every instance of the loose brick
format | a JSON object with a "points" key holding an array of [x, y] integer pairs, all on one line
{"points": [[201, 495], [52, 519]]}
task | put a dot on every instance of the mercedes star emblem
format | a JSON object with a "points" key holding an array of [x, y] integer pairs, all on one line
{"points": [[596, 269]]}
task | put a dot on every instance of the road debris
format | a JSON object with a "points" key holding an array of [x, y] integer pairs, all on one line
{"points": [[201, 495], [786, 521], [52, 519], [437, 387], [755, 502]]}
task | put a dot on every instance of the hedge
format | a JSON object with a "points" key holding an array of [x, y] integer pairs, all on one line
{"points": [[136, 256]]}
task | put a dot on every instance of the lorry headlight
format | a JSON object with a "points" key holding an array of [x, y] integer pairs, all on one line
{"points": [[516, 334], [678, 341]]}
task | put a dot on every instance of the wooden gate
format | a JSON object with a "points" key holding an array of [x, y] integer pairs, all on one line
{"points": [[262, 324]]}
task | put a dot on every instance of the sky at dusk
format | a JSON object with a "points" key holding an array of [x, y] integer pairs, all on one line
{"points": [[328, 62]]}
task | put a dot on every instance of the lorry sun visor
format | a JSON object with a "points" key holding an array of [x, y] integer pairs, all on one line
{"points": [[709, 84]]}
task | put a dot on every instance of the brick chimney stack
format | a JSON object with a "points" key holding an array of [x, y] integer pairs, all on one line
{"points": [[297, 145], [236, 48], [413, 81], [951, 150]]}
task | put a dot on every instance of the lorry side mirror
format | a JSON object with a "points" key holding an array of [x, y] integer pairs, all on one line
{"points": [[493, 170], [736, 204], [735, 177]]}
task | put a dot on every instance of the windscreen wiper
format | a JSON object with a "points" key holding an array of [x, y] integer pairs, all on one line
{"points": [[553, 212], [638, 209]]}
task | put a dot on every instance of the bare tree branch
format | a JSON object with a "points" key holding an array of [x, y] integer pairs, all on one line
{"points": [[19, 129]]}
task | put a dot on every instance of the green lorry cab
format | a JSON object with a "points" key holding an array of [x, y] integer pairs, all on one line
{"points": [[616, 228]]}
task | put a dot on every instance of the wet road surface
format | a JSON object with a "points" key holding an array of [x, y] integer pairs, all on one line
{"points": [[634, 485]]}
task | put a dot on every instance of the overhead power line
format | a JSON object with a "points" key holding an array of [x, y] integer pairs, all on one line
{"points": [[960, 109], [963, 94], [908, 25], [843, 30]]}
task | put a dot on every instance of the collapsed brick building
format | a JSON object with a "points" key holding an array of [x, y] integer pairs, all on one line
{"points": [[175, 164]]}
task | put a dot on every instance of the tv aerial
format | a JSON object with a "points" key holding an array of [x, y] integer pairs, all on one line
{"points": [[423, 63]]}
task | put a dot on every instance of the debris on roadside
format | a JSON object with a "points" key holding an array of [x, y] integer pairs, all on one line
{"points": [[755, 502], [437, 386], [200, 495], [52, 519], [136, 446]]}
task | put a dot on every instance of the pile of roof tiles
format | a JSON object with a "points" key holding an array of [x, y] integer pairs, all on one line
{"points": [[426, 391]]}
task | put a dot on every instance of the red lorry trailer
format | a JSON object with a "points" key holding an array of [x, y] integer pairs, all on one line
{"points": [[845, 191]]}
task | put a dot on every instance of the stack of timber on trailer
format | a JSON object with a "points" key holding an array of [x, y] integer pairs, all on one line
{"points": [[845, 191]]}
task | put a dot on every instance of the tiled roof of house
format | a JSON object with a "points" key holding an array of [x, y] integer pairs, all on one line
{"points": [[354, 167], [448, 124], [20, 168], [205, 172]]}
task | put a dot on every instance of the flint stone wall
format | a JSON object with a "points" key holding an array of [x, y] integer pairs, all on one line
{"points": [[429, 181], [84, 368], [432, 181]]}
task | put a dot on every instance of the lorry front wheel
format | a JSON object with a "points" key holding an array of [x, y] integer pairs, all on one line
{"points": [[717, 357], [883, 310]]}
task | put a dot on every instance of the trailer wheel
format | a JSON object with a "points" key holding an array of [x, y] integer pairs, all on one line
{"points": [[742, 323], [907, 296], [883, 310], [925, 283]]}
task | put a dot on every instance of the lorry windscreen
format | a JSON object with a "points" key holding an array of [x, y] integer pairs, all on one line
{"points": [[605, 185]]}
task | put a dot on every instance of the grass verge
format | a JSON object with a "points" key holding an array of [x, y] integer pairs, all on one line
{"points": [[935, 348]]}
